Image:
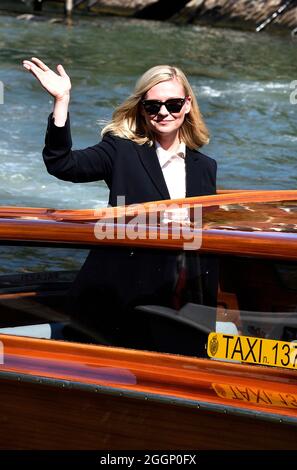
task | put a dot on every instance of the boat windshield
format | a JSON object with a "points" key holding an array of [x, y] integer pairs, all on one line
{"points": [[224, 307]]}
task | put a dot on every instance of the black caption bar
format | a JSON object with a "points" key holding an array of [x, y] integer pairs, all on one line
{"points": [[148, 459]]}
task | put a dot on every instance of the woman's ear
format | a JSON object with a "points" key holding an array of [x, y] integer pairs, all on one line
{"points": [[188, 105]]}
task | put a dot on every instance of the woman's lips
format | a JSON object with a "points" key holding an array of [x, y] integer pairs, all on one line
{"points": [[163, 122]]}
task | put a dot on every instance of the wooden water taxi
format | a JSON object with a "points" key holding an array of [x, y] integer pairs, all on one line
{"points": [[225, 381]]}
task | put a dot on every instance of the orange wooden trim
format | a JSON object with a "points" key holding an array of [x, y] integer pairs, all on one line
{"points": [[159, 374], [224, 197], [18, 295], [259, 244], [48, 225], [263, 244]]}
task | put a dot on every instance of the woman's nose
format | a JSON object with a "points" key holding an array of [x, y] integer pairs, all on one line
{"points": [[163, 109]]}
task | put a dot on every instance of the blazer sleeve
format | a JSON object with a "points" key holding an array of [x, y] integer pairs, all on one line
{"points": [[79, 166]]}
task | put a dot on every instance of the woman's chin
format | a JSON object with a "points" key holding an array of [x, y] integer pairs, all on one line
{"points": [[165, 128]]}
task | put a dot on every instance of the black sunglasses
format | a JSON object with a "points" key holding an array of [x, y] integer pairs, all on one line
{"points": [[173, 105]]}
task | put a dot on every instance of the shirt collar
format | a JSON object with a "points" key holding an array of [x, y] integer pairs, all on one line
{"points": [[164, 155]]}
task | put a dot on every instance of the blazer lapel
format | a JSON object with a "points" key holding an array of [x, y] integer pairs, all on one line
{"points": [[150, 161], [194, 174]]}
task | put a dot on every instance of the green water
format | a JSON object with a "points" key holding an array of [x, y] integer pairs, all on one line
{"points": [[242, 81]]}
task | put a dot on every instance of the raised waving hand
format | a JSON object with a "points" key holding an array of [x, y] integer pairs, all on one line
{"points": [[57, 84]]}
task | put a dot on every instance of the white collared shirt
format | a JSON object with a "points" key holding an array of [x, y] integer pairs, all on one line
{"points": [[173, 168]]}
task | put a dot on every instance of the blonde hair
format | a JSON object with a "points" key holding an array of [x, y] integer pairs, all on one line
{"points": [[128, 121]]}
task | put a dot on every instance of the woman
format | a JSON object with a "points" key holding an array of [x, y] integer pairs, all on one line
{"points": [[148, 153]]}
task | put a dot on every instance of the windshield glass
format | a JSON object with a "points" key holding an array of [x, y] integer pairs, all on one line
{"points": [[201, 303]]}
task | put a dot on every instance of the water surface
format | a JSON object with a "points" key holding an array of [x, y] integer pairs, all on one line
{"points": [[242, 81]]}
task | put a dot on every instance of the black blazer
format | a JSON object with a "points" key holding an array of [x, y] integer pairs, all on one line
{"points": [[113, 280], [129, 169]]}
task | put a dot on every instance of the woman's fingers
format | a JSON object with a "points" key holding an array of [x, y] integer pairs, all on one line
{"points": [[61, 70], [32, 68], [27, 64], [36, 65], [40, 64]]}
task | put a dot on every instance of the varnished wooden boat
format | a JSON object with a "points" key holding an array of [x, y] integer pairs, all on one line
{"points": [[58, 394]]}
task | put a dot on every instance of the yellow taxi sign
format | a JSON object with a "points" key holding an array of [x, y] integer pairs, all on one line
{"points": [[267, 352]]}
